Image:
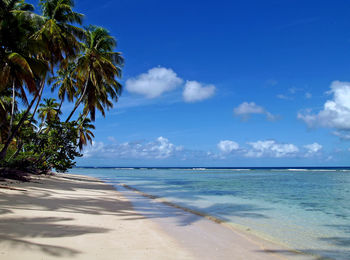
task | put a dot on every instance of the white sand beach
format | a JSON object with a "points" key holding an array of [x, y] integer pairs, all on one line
{"points": [[77, 217]]}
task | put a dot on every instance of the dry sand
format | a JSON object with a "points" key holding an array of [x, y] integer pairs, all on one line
{"points": [[77, 217]]}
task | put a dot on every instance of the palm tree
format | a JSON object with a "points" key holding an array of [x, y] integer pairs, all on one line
{"points": [[6, 106], [24, 134], [84, 132], [19, 62], [59, 34], [66, 83], [15, 63], [49, 110], [55, 41], [97, 68], [57, 30]]}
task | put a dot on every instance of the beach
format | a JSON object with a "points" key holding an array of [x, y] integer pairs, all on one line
{"points": [[79, 217]]}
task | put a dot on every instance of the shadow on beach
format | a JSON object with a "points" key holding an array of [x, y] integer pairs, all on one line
{"points": [[58, 196]]}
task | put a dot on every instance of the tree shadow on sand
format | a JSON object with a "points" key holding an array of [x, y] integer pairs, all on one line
{"points": [[15, 231], [20, 233]]}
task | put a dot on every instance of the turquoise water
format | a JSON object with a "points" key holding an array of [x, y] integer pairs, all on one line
{"points": [[305, 209]]}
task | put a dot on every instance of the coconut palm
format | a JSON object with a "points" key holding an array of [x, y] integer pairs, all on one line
{"points": [[25, 133], [66, 83], [19, 57], [57, 30], [48, 111], [59, 34], [15, 55], [97, 68], [84, 133], [57, 41], [6, 106]]}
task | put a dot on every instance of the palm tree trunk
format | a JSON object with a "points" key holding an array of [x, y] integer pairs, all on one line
{"points": [[15, 130], [37, 103], [83, 119], [19, 148], [79, 100], [59, 109], [12, 108], [40, 159]]}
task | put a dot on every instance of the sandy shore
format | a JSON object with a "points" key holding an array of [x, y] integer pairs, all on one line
{"points": [[78, 217]]}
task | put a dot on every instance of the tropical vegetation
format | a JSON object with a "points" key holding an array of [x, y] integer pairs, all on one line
{"points": [[51, 50]]}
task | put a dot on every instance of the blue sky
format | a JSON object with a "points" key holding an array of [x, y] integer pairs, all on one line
{"points": [[226, 83]]}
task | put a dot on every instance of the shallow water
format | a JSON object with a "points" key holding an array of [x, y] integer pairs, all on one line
{"points": [[305, 209]]}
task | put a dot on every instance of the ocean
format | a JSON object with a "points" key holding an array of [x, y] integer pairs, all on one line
{"points": [[306, 209]]}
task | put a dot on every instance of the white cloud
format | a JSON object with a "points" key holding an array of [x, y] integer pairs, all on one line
{"points": [[195, 91], [271, 148], [336, 111], [342, 134], [293, 90], [312, 149], [281, 96], [227, 146], [246, 109], [154, 83], [308, 95], [160, 148], [95, 148]]}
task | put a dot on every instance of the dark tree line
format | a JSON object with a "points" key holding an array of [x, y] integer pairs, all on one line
{"points": [[52, 49]]}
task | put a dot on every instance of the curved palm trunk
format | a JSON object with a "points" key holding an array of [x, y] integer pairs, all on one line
{"points": [[59, 109], [12, 108], [37, 103], [83, 119], [79, 101], [20, 123]]}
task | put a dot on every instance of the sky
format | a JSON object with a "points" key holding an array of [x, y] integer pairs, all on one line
{"points": [[226, 83]]}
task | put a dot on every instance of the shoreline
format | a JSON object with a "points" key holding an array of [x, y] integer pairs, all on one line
{"points": [[268, 245], [82, 217], [251, 234]]}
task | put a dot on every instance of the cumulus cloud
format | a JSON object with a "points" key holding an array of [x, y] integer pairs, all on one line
{"points": [[195, 91], [160, 148], [335, 112], [154, 83], [227, 146], [245, 110], [312, 149], [271, 148]]}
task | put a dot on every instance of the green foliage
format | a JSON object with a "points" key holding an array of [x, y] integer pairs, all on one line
{"points": [[58, 146], [38, 50]]}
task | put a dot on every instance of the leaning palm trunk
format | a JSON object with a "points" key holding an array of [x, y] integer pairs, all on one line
{"points": [[39, 98], [12, 108], [82, 120], [40, 159], [19, 148], [79, 100], [59, 109], [20, 123]]}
